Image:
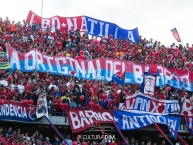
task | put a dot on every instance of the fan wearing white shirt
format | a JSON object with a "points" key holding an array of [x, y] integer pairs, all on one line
{"points": [[12, 86], [21, 88], [3, 82], [52, 85], [68, 140]]}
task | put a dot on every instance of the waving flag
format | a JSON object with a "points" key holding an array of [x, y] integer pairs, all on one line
{"points": [[119, 78], [175, 34]]}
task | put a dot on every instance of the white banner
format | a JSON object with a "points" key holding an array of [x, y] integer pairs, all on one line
{"points": [[42, 107], [187, 107], [140, 103], [149, 85]]}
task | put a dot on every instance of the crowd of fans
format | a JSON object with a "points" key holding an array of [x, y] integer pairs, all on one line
{"points": [[65, 92], [16, 136]]}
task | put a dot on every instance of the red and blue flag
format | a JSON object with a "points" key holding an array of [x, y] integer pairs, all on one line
{"points": [[119, 78], [176, 35]]}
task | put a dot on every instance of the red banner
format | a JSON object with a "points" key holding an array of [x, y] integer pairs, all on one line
{"points": [[57, 22], [181, 73], [81, 119]]}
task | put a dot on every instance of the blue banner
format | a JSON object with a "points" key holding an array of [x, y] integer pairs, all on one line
{"points": [[119, 78], [130, 121], [17, 111], [101, 28]]}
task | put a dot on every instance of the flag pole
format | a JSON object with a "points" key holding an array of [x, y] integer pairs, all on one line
{"points": [[120, 133], [3, 141], [55, 129], [42, 8], [177, 135], [159, 129], [191, 135], [103, 133]]}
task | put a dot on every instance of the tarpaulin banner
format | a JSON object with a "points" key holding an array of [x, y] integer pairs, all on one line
{"points": [[146, 104], [92, 26], [82, 119], [17, 111], [130, 121], [95, 69]]}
